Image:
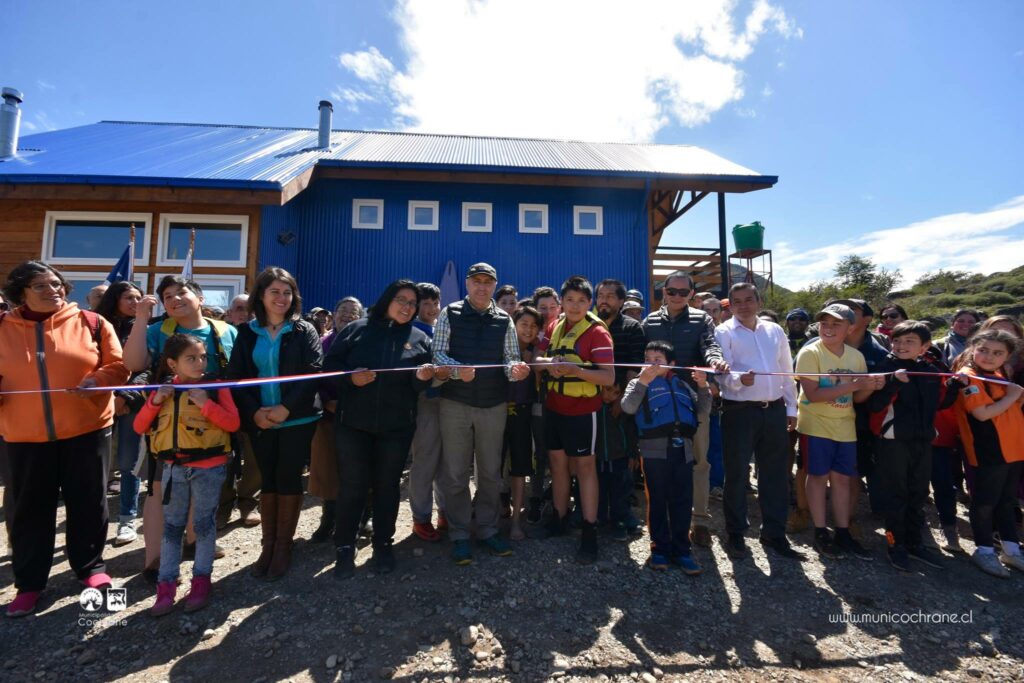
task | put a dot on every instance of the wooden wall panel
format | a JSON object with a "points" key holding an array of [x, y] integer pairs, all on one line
{"points": [[22, 222]]}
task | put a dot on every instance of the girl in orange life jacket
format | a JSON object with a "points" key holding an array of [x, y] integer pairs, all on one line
{"points": [[191, 432], [992, 431]]}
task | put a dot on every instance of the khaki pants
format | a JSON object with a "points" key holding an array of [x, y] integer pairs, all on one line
{"points": [[323, 461], [701, 469]]}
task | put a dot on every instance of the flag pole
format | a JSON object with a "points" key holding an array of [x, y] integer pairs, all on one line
{"points": [[131, 253]]}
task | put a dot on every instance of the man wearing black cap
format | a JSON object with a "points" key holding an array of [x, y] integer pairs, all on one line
{"points": [[797, 321], [473, 408]]}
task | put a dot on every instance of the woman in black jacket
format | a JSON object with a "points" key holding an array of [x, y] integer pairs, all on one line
{"points": [[118, 306], [376, 418], [280, 417]]}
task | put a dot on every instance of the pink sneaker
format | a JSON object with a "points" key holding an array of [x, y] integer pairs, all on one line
{"points": [[24, 603], [199, 595], [166, 592], [100, 580]]}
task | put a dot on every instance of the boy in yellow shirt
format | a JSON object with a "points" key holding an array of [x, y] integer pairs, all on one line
{"points": [[826, 423]]}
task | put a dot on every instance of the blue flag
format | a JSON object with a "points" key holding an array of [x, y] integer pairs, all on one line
{"points": [[124, 269]]}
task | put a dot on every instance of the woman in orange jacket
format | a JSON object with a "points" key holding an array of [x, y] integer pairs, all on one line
{"points": [[57, 442]]}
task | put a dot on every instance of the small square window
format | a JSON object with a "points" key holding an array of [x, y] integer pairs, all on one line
{"points": [[587, 220], [533, 218], [476, 217], [368, 214], [423, 215]]}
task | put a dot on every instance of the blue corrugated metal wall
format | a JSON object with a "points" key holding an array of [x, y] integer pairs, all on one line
{"points": [[330, 259]]}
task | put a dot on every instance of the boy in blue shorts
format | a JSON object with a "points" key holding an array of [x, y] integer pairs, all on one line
{"points": [[827, 426]]}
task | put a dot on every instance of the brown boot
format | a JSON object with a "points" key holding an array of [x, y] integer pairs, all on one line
{"points": [[269, 505], [288, 509]]}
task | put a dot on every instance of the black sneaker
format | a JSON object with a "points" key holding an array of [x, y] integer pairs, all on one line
{"points": [[852, 546], [587, 553], [556, 526], [782, 548], [533, 515], [826, 546], [898, 558], [736, 547], [926, 556], [384, 559], [345, 562]]}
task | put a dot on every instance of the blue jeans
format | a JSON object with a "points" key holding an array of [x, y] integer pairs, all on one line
{"points": [[201, 486], [129, 445], [716, 454]]}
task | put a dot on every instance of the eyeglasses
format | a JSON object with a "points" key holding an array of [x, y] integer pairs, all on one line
{"points": [[41, 287], [891, 316], [672, 291], [405, 303]]}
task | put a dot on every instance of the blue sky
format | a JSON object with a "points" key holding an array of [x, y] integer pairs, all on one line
{"points": [[896, 128]]}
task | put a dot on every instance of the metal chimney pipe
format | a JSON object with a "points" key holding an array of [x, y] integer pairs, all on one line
{"points": [[326, 113], [10, 122]]}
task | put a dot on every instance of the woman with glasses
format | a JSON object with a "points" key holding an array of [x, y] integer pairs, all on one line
{"points": [[279, 417], [58, 442], [892, 315], [376, 417], [323, 466]]}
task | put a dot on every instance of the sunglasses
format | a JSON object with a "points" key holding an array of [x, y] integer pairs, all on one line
{"points": [[672, 291], [891, 316]]}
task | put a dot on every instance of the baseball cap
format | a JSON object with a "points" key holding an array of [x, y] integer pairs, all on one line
{"points": [[798, 313], [635, 294], [839, 312], [863, 306], [317, 309], [482, 269]]}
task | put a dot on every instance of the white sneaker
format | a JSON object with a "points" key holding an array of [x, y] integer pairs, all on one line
{"points": [[125, 533], [989, 563], [1013, 561]]}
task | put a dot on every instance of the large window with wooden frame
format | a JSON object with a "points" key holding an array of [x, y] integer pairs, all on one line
{"points": [[221, 241], [90, 238]]}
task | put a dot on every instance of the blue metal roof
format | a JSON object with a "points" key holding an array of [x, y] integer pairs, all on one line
{"points": [[251, 157]]}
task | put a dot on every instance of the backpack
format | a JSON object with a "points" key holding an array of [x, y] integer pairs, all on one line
{"points": [[667, 410]]}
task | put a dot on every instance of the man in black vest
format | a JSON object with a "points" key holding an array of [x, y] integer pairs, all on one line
{"points": [[473, 408]]}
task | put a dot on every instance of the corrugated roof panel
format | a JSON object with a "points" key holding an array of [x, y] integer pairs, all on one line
{"points": [[264, 157]]}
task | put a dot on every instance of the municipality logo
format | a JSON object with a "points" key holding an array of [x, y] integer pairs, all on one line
{"points": [[115, 600]]}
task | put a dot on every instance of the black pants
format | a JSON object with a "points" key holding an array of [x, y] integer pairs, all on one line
{"points": [[614, 486], [669, 482], [993, 501], [903, 471], [281, 454], [759, 432], [367, 460], [943, 487], [39, 473]]}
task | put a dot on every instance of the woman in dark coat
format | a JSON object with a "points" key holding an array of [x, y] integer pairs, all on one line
{"points": [[280, 417], [376, 417]]}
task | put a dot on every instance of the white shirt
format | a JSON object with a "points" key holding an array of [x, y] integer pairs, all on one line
{"points": [[762, 349]]}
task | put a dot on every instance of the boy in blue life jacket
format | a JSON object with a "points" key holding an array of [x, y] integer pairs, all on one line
{"points": [[666, 410]]}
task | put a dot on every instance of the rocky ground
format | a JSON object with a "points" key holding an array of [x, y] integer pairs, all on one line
{"points": [[531, 617]]}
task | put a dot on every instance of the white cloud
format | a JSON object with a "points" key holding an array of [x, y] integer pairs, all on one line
{"points": [[583, 69], [767, 91], [984, 242], [43, 85], [368, 65]]}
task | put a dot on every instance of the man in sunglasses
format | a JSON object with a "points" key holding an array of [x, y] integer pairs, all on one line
{"points": [[691, 332], [797, 321]]}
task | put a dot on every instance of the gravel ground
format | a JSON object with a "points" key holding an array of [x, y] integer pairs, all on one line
{"points": [[531, 617]]}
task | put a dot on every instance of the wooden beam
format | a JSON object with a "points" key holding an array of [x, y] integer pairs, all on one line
{"points": [[133, 193]]}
